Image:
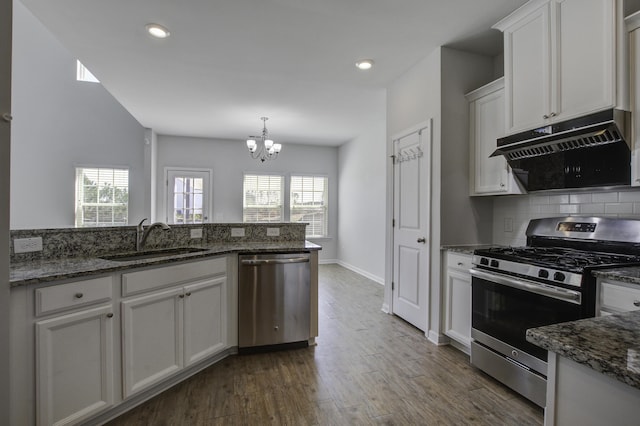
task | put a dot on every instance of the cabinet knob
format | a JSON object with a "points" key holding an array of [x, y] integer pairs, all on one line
{"points": [[545, 116], [460, 263], [636, 303], [110, 315], [422, 240], [78, 295], [502, 185], [553, 114], [189, 294], [181, 296]]}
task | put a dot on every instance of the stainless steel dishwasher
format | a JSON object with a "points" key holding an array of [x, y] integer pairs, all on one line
{"points": [[273, 301]]}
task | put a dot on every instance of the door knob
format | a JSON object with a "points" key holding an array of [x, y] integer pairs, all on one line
{"points": [[422, 240]]}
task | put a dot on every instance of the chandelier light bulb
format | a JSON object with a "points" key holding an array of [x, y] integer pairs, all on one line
{"points": [[268, 143], [277, 147], [252, 145]]}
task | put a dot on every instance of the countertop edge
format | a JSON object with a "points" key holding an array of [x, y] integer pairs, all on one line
{"points": [[43, 271]]}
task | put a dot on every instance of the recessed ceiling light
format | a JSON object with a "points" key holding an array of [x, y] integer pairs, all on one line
{"points": [[364, 64], [157, 31]]}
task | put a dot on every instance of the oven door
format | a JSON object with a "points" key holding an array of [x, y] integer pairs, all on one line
{"points": [[504, 307]]}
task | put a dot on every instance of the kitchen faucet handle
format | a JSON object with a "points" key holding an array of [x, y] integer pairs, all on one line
{"points": [[141, 222]]}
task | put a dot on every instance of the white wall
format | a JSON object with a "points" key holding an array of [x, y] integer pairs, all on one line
{"points": [[5, 166], [229, 160], [519, 209], [362, 201], [60, 123]]}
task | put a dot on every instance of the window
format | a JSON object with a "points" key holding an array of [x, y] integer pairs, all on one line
{"points": [[102, 196], [309, 200], [187, 196], [83, 74], [262, 198]]}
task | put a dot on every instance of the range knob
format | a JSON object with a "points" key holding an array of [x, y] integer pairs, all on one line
{"points": [[543, 273], [559, 276], [484, 261], [494, 264]]}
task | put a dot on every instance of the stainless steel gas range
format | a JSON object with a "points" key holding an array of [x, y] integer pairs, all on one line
{"points": [[547, 281]]}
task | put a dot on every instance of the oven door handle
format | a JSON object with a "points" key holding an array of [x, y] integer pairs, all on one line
{"points": [[531, 286]]}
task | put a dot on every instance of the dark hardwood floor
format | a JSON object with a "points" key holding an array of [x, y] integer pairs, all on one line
{"points": [[369, 368]]}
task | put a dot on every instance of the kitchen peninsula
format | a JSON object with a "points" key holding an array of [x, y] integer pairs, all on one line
{"points": [[94, 333]]}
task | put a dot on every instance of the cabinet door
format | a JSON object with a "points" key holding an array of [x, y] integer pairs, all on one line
{"points": [[527, 71], [487, 121], [458, 306], [74, 366], [205, 319], [584, 54], [152, 338], [634, 48]]}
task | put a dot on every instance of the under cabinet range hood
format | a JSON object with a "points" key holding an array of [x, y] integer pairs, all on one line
{"points": [[589, 151]]}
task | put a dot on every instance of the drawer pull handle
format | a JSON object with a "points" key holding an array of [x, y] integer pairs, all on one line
{"points": [[110, 315], [636, 303], [78, 295]]}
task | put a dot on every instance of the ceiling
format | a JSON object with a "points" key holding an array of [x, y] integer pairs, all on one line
{"points": [[229, 62]]}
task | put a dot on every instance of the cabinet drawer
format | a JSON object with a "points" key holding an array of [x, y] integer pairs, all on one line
{"points": [[459, 261], [150, 279], [79, 293], [620, 298]]}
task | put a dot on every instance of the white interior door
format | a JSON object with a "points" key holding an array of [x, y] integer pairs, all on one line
{"points": [[411, 225]]}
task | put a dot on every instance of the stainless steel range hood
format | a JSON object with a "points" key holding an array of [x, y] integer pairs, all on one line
{"points": [[601, 128]]}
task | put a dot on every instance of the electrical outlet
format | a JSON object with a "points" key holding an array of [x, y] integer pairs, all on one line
{"points": [[196, 233], [237, 232], [508, 224], [26, 245], [273, 232]]}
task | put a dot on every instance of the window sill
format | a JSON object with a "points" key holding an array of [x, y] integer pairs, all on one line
{"points": [[318, 238]]}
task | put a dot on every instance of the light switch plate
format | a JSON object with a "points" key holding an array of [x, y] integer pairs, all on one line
{"points": [[273, 232], [27, 245], [196, 233], [237, 232]]}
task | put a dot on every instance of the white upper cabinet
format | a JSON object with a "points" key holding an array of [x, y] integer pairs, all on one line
{"points": [[489, 175], [561, 60], [633, 26]]}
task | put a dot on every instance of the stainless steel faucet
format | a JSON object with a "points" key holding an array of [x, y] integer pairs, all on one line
{"points": [[142, 233]]}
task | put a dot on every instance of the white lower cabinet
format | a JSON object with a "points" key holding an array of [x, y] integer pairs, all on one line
{"points": [[457, 310], [167, 330], [616, 297]]}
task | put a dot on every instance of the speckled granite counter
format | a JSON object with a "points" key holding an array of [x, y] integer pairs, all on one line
{"points": [[466, 249], [38, 271], [629, 275], [609, 345]]}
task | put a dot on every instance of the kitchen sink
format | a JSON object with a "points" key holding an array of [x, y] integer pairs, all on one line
{"points": [[151, 254]]}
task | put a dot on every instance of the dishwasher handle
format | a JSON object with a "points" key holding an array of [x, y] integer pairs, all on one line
{"points": [[256, 262]]}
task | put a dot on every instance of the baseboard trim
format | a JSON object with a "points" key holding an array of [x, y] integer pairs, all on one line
{"points": [[437, 338], [362, 272], [327, 261], [385, 308]]}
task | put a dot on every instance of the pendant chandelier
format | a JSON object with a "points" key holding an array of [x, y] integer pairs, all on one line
{"points": [[267, 150]]}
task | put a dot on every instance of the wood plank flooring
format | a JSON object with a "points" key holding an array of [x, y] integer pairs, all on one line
{"points": [[369, 368]]}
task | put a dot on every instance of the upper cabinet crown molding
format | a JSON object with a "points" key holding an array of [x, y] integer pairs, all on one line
{"points": [[519, 13], [633, 21], [563, 59]]}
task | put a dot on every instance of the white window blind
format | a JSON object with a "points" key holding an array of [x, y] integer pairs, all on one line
{"points": [[309, 203], [102, 196], [262, 198], [83, 74]]}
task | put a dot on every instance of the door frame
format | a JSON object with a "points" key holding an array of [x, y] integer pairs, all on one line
{"points": [[207, 190], [387, 306]]}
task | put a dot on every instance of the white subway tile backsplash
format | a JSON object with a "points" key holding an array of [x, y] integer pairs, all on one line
{"points": [[592, 208], [550, 209], [636, 208], [569, 208], [617, 208], [538, 199], [559, 199], [629, 196], [605, 197], [580, 198]]}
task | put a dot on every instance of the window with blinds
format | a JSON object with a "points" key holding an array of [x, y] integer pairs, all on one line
{"points": [[102, 196], [263, 198], [309, 202]]}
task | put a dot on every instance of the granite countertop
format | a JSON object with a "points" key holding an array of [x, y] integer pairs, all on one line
{"points": [[629, 275], [609, 345], [39, 271], [466, 249]]}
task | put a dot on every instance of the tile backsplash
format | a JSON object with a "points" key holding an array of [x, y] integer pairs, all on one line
{"points": [[511, 214]]}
